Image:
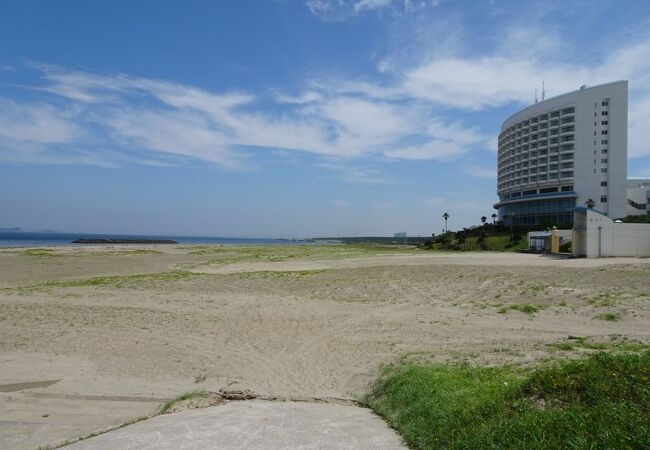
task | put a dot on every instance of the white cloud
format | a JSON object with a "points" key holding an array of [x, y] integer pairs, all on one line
{"points": [[306, 97], [162, 122], [371, 4], [404, 117], [36, 123], [487, 81], [444, 142], [341, 10]]}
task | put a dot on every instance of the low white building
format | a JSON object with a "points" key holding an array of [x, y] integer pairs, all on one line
{"points": [[596, 235]]}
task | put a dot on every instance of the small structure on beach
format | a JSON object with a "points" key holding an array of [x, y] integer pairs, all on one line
{"points": [[596, 235], [542, 241]]}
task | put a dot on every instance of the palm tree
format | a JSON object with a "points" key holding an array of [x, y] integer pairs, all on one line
{"points": [[483, 220], [590, 203], [494, 219], [445, 216]]}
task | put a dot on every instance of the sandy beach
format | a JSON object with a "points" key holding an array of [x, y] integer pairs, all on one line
{"points": [[105, 334]]}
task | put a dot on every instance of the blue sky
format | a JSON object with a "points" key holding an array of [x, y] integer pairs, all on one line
{"points": [[287, 118]]}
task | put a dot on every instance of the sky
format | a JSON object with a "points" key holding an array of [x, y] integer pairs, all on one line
{"points": [[288, 118]]}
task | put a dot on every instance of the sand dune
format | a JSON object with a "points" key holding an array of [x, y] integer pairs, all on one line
{"points": [[285, 323]]}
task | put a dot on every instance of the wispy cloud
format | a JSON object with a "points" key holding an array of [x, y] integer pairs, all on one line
{"points": [[401, 112], [168, 122], [459, 80], [341, 10]]}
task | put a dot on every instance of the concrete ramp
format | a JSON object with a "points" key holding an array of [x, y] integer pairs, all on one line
{"points": [[255, 424]]}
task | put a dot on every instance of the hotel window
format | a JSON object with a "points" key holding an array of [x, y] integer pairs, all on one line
{"points": [[603, 132], [604, 151], [604, 113], [603, 170], [604, 142], [605, 103], [603, 160], [567, 188], [603, 183], [603, 199], [604, 122]]}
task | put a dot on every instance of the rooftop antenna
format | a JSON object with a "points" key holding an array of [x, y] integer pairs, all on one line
{"points": [[535, 95], [543, 91]]}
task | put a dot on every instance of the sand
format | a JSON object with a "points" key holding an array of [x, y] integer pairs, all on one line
{"points": [[289, 323]]}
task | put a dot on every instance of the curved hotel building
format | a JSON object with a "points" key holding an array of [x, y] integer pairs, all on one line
{"points": [[559, 153]]}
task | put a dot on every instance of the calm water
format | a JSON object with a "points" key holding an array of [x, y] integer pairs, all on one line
{"points": [[25, 239]]}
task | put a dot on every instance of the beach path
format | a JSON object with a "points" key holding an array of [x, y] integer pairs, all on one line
{"points": [[255, 424]]}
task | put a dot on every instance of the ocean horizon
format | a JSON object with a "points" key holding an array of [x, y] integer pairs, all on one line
{"points": [[57, 239]]}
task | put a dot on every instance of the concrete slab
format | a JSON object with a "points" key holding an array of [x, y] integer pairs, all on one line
{"points": [[255, 424]]}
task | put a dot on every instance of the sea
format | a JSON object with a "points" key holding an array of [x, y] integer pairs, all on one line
{"points": [[52, 239]]}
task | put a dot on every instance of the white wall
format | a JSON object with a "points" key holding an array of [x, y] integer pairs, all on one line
{"points": [[615, 239]]}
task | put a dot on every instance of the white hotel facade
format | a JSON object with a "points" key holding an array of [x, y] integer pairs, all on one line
{"points": [[561, 152]]}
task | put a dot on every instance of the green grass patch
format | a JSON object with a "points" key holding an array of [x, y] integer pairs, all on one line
{"points": [[526, 308], [603, 300], [599, 402], [610, 317], [40, 252], [502, 244]]}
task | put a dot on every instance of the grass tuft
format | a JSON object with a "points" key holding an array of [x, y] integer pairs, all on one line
{"points": [[581, 343], [526, 308], [603, 300], [193, 395], [599, 402], [611, 317]]}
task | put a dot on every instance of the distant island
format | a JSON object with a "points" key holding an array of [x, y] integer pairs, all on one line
{"points": [[124, 241], [11, 230]]}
